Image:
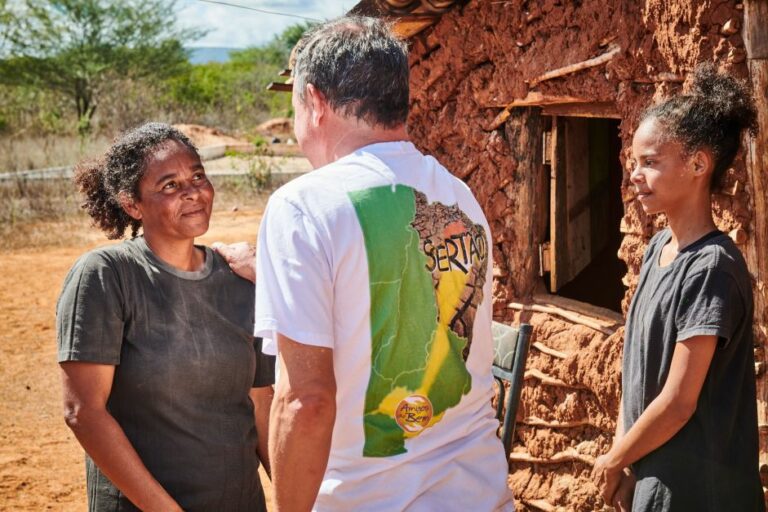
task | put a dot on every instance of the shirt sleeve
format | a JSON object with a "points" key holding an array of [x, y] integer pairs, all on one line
{"points": [[265, 366], [710, 305], [294, 287], [89, 313]]}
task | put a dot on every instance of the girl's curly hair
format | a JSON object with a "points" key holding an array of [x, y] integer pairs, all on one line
{"points": [[713, 115], [119, 171]]}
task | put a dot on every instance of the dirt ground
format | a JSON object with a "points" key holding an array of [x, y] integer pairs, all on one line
{"points": [[41, 463], [204, 136]]}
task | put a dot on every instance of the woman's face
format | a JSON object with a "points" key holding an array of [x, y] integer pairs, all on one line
{"points": [[175, 196], [661, 172]]}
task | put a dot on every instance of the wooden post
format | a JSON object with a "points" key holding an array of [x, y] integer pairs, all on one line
{"points": [[756, 42], [523, 130], [558, 208]]}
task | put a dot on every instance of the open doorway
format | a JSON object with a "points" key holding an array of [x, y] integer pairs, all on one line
{"points": [[585, 211]]}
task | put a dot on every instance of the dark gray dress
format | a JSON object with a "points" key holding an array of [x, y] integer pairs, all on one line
{"points": [[185, 361], [711, 464]]}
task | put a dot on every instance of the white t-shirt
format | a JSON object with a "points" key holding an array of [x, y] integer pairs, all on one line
{"points": [[385, 257]]}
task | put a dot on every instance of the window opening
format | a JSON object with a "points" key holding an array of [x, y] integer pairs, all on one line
{"points": [[580, 261]]}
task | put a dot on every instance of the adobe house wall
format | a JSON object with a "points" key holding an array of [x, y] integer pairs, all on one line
{"points": [[478, 59]]}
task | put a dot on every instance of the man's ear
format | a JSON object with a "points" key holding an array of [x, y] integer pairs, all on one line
{"points": [[317, 104], [129, 205]]}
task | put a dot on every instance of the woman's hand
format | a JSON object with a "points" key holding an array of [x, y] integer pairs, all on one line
{"points": [[86, 389], [241, 258]]}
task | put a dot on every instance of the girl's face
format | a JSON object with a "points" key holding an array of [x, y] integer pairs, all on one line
{"points": [[175, 197], [663, 175]]}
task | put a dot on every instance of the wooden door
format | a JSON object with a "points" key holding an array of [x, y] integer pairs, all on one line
{"points": [[570, 220]]}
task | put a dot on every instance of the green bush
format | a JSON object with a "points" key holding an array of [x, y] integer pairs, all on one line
{"points": [[230, 95]]}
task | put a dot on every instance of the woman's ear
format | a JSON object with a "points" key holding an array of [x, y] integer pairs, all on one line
{"points": [[128, 203]]}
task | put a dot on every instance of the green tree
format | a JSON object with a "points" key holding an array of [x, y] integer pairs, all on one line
{"points": [[233, 93], [277, 51], [78, 47]]}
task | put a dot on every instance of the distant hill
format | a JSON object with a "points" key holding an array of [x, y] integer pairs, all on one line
{"points": [[212, 54]]}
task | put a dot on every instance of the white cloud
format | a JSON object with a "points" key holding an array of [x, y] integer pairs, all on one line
{"points": [[238, 28]]}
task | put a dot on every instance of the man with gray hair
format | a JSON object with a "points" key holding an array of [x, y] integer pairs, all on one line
{"points": [[374, 290]]}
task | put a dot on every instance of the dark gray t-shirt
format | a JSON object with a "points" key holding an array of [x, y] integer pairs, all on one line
{"points": [[185, 361], [711, 464]]}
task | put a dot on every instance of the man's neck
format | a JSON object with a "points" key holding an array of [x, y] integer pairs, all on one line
{"points": [[349, 136]]}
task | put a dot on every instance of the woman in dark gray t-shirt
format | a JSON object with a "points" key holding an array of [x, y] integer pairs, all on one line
{"points": [[686, 436], [164, 385]]}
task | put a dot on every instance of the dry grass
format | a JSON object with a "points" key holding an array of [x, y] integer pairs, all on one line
{"points": [[23, 153], [39, 214]]}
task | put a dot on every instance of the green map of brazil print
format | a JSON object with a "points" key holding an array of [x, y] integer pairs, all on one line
{"points": [[427, 265]]}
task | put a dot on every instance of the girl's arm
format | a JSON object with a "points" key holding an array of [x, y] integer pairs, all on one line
{"points": [[86, 390], [665, 415], [625, 490], [619, 423]]}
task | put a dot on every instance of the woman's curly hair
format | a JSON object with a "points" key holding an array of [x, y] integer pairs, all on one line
{"points": [[713, 115], [119, 171]]}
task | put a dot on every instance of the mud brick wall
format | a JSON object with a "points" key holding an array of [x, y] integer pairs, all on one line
{"points": [[480, 57]]}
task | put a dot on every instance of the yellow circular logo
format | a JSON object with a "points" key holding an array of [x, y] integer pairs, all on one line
{"points": [[414, 413]]}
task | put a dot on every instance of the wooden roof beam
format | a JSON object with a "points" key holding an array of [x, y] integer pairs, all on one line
{"points": [[555, 105], [280, 87]]}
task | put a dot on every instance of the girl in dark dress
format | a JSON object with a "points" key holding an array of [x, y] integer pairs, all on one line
{"points": [[686, 436]]}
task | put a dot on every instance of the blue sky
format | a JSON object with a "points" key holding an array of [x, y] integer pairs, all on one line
{"points": [[238, 28]]}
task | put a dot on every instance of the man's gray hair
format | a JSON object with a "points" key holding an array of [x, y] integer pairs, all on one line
{"points": [[360, 67]]}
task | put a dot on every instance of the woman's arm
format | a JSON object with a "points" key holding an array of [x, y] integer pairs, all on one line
{"points": [[665, 415], [86, 390], [262, 402]]}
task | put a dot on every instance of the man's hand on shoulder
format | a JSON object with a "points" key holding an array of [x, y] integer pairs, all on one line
{"points": [[240, 256]]}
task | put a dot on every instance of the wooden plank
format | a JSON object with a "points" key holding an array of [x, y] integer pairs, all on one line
{"points": [[278, 87], [567, 455], [564, 314], [756, 29], [542, 505], [406, 28], [549, 350], [756, 44], [575, 210], [577, 206], [540, 215], [533, 421], [523, 131], [579, 66], [535, 373], [603, 110], [605, 317], [533, 99], [558, 211]]}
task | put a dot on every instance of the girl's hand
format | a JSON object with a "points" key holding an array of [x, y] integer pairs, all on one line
{"points": [[607, 477], [622, 499]]}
